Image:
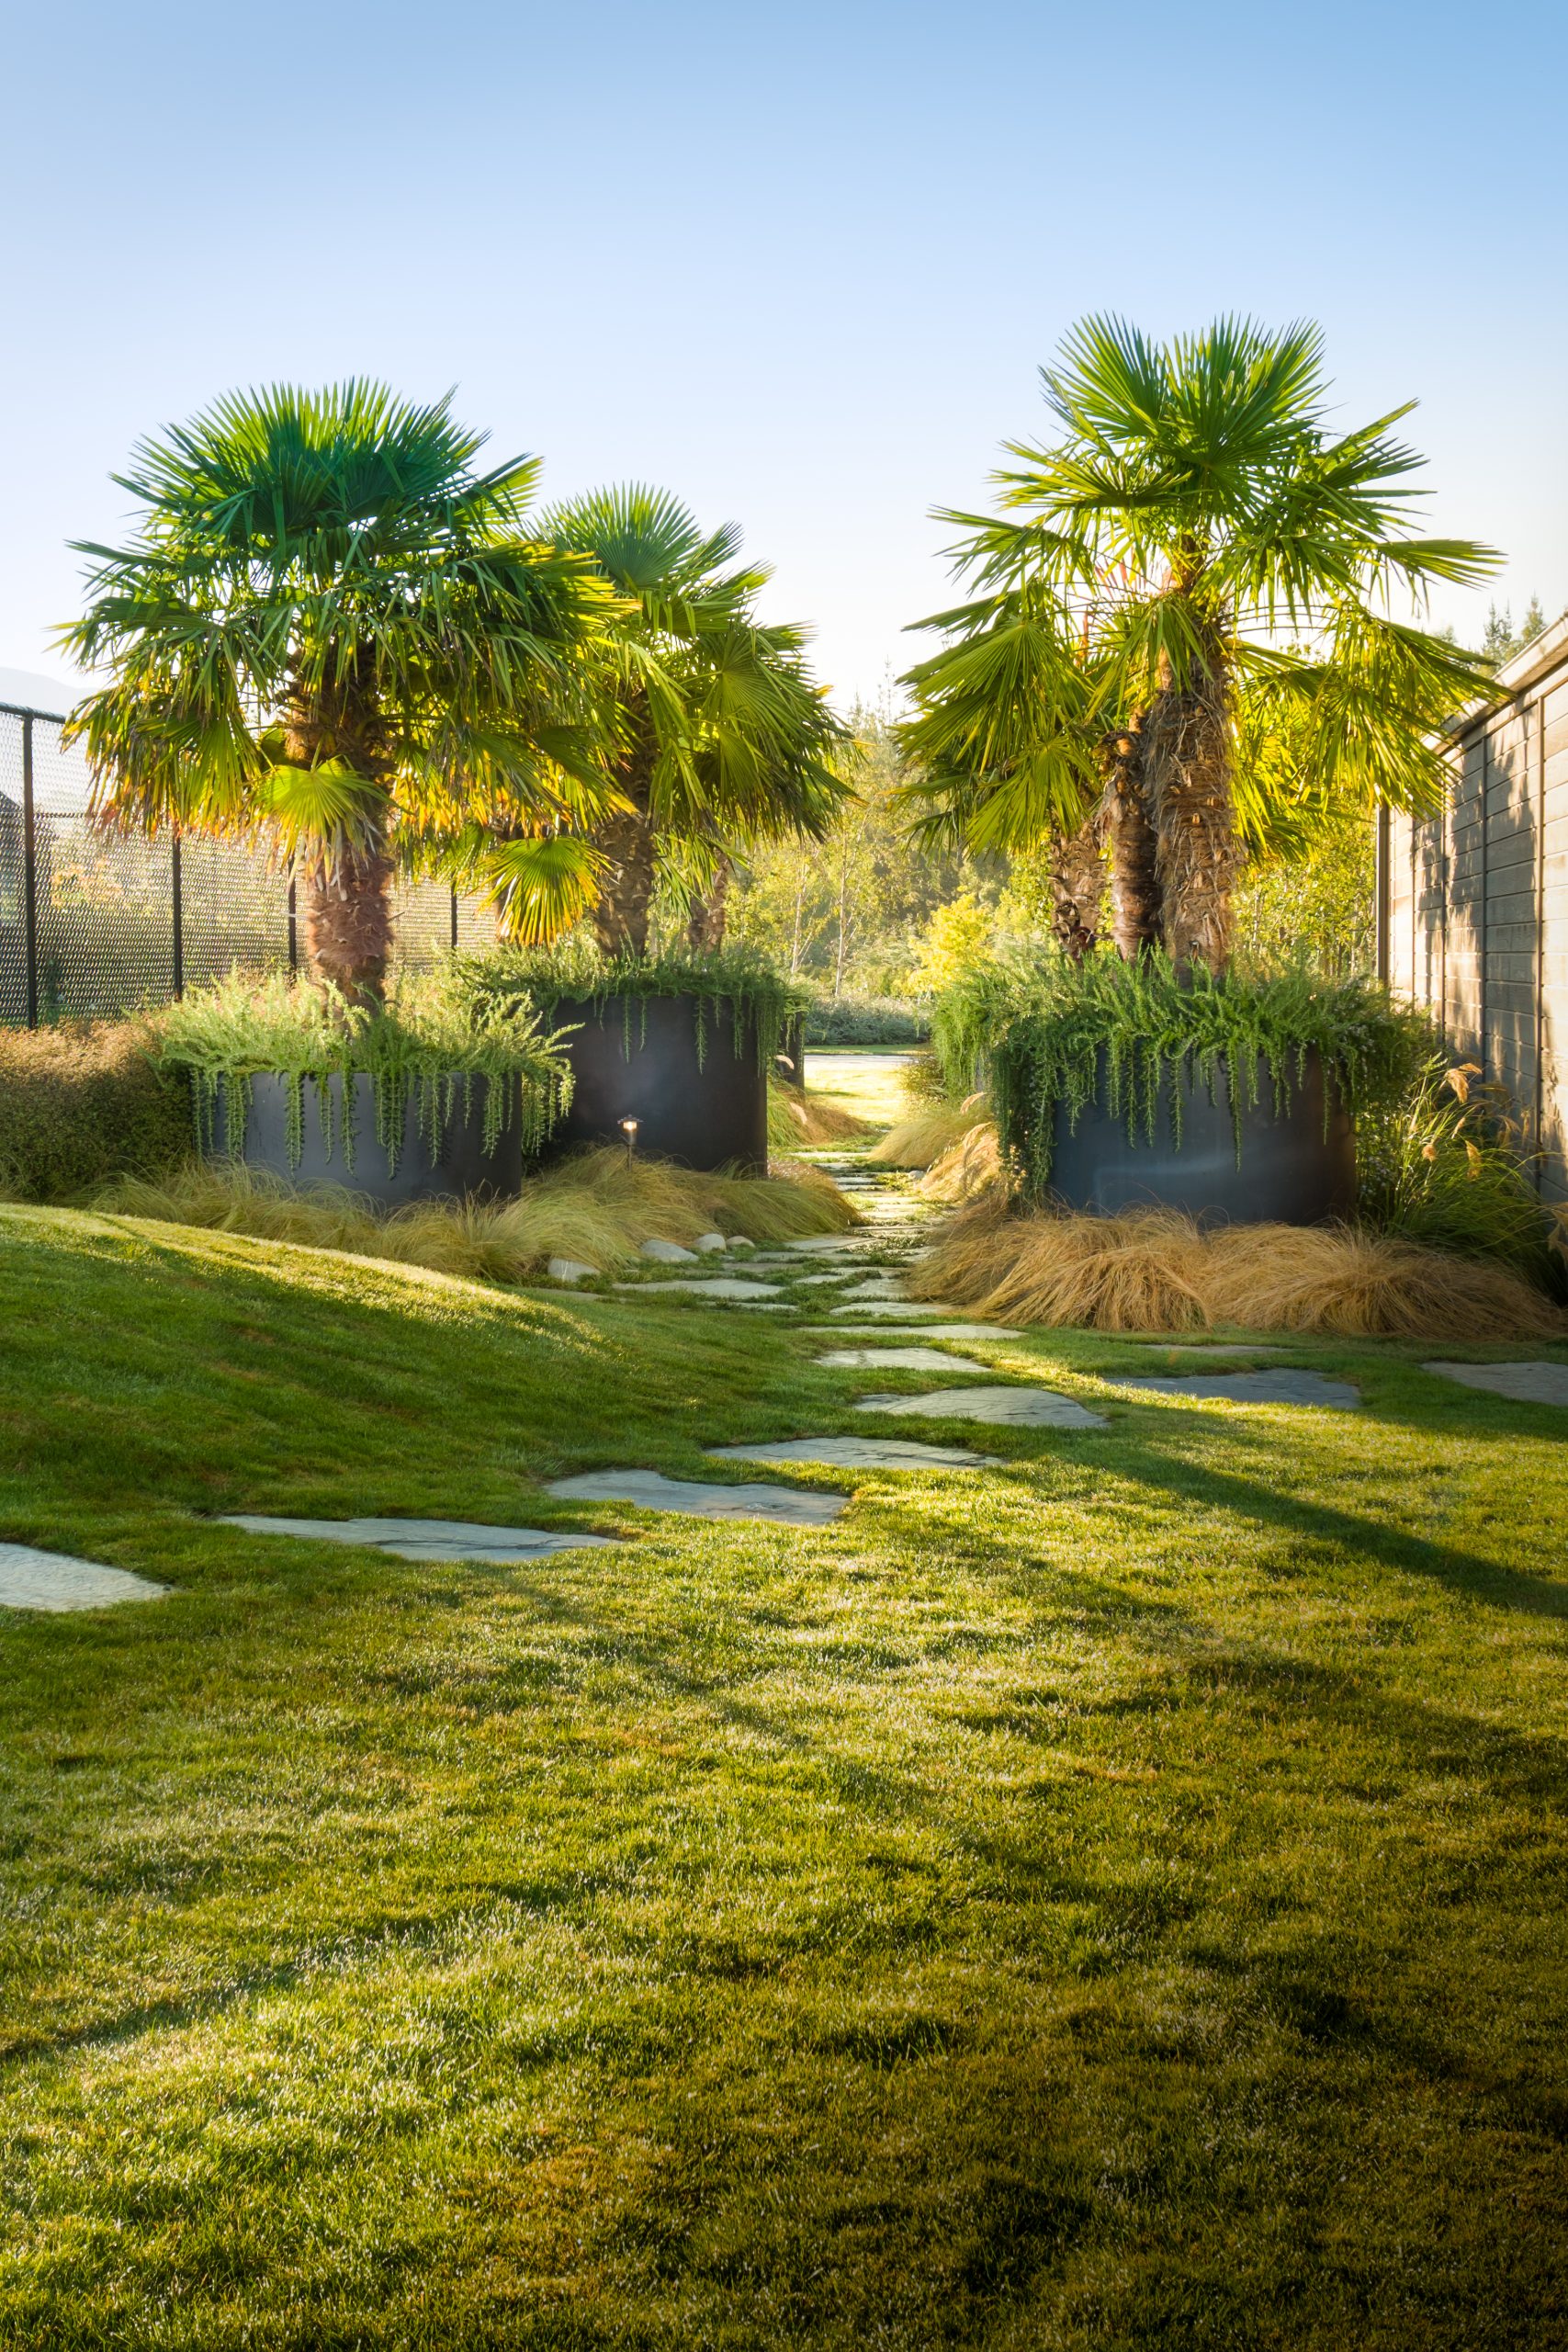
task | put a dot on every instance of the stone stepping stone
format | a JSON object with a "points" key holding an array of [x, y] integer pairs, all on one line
{"points": [[1209, 1353], [916, 1331], [860, 1453], [425, 1539], [1010, 1407], [805, 1282], [878, 1286], [1271, 1387], [830, 1245], [897, 1311], [55, 1581], [704, 1286], [1537, 1383], [898, 1358], [650, 1491], [571, 1269]]}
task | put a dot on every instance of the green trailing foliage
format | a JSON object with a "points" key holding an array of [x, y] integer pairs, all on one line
{"points": [[735, 985], [428, 1046], [1137, 1034], [81, 1103], [1439, 1157]]}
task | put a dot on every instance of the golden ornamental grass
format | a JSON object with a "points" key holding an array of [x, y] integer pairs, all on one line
{"points": [[596, 1207], [1155, 1271], [924, 1135], [967, 1168]]}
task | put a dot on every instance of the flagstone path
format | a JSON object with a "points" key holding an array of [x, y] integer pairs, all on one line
{"points": [[54, 1581], [650, 1491], [425, 1539], [1531, 1382], [1011, 1407]]}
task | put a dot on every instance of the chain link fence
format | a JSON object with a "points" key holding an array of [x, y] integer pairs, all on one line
{"points": [[94, 924]]}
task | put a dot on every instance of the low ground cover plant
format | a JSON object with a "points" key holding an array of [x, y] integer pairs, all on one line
{"points": [[868, 1021], [81, 1101]]}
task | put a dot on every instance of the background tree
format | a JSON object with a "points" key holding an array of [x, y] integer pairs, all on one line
{"points": [[719, 737], [329, 626], [849, 907], [1501, 640], [1196, 559]]}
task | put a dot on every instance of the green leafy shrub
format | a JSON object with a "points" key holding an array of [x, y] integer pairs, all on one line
{"points": [[1445, 1166], [1143, 1033], [431, 1045], [848, 1021], [734, 984], [82, 1102]]}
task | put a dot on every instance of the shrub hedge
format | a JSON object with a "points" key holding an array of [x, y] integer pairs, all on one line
{"points": [[81, 1103]]}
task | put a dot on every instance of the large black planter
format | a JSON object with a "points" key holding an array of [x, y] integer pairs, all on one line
{"points": [[1294, 1168], [637, 1059], [458, 1165]]}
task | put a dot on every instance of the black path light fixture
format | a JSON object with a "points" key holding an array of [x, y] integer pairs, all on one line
{"points": [[629, 1129]]}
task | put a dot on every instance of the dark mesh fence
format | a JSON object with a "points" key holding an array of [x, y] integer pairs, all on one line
{"points": [[96, 924]]}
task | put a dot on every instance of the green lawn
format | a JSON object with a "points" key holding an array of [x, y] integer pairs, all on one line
{"points": [[1116, 1899]]}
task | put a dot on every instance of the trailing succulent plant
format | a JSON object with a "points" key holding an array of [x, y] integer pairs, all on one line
{"points": [[428, 1046], [758, 1001], [1138, 1034]]}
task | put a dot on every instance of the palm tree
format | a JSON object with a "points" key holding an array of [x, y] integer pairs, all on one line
{"points": [[720, 736], [330, 628], [1195, 570]]}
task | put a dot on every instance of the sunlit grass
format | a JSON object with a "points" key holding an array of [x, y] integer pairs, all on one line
{"points": [[1112, 1899]]}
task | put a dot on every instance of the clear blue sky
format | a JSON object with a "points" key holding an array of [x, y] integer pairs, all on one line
{"points": [[798, 264]]}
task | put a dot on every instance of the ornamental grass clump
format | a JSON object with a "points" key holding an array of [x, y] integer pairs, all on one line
{"points": [[925, 1135], [1156, 1271], [597, 1207], [428, 1048]]}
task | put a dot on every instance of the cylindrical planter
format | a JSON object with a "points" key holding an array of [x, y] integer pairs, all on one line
{"points": [[639, 1057], [1295, 1167], [459, 1165]]}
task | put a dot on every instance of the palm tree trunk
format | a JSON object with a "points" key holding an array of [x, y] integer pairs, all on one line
{"points": [[347, 904], [629, 842], [1077, 879], [1187, 767], [1134, 878], [707, 922]]}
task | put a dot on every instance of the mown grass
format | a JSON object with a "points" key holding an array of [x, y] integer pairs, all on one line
{"points": [[1111, 1899]]}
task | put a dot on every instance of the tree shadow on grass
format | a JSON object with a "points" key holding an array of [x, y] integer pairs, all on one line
{"points": [[1467, 1573]]}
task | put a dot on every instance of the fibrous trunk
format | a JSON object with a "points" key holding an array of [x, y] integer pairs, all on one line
{"points": [[1187, 761], [709, 914], [1077, 879], [348, 924], [1134, 877], [347, 900], [628, 843]]}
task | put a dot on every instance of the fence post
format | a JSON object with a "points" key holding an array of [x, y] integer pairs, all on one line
{"points": [[30, 872], [293, 928], [178, 909]]}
